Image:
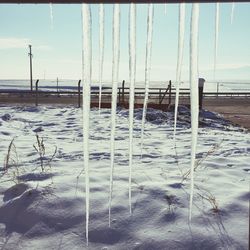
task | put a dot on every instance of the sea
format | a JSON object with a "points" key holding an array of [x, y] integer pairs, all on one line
{"points": [[220, 86]]}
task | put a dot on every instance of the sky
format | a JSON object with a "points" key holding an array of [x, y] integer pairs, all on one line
{"points": [[57, 42]]}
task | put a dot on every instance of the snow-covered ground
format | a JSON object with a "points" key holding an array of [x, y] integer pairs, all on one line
{"points": [[46, 209]]}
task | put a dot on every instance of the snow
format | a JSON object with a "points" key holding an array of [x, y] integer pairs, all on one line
{"points": [[46, 210]]}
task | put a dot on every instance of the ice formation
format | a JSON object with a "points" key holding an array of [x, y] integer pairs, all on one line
{"points": [[132, 72], [147, 66], [87, 66], [193, 93], [232, 12], [179, 60], [101, 50], [216, 36], [51, 16], [115, 72]]}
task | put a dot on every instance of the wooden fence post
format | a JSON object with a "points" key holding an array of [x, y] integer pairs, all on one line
{"points": [[170, 93], [37, 92], [160, 96], [119, 96], [79, 93], [123, 97], [57, 87]]}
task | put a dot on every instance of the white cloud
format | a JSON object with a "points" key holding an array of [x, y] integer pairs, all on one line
{"points": [[20, 43], [42, 47], [14, 43], [226, 66]]}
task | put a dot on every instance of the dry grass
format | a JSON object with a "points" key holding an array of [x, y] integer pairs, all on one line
{"points": [[40, 148], [11, 161]]}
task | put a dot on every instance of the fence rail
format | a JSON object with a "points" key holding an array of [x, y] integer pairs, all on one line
{"points": [[160, 96]]}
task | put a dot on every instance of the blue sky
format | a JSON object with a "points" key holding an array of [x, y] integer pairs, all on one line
{"points": [[57, 50]]}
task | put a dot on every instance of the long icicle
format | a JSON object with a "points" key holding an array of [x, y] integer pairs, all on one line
{"points": [[194, 93], [232, 12], [87, 68], [150, 20], [179, 60], [216, 36], [115, 72], [51, 16], [132, 72], [101, 50]]}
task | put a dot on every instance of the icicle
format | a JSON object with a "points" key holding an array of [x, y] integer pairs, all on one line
{"points": [[132, 72], [87, 62], [51, 16], [179, 60], [232, 12], [147, 66], [194, 92], [115, 71], [216, 36], [165, 9], [101, 50]]}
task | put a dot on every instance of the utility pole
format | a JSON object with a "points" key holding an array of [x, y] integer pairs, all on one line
{"points": [[31, 81]]}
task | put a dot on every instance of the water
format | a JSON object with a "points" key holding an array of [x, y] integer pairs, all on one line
{"points": [[194, 93], [71, 85], [51, 16], [179, 60], [232, 12], [216, 36], [115, 71], [87, 66], [101, 50], [132, 72], [147, 66]]}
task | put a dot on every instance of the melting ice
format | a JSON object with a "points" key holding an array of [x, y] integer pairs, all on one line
{"points": [[115, 71], [216, 36], [101, 50], [51, 16], [179, 60], [132, 71], [232, 12], [193, 92], [87, 66], [147, 66]]}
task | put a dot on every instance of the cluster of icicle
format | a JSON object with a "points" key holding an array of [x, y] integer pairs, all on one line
{"points": [[87, 68]]}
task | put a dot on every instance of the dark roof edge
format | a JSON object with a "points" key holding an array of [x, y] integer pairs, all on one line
{"points": [[111, 2]]}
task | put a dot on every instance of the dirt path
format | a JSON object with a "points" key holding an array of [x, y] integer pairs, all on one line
{"points": [[236, 110]]}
